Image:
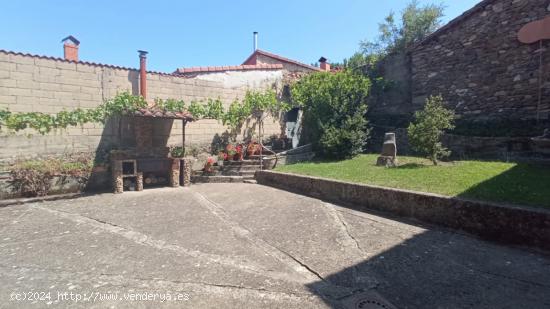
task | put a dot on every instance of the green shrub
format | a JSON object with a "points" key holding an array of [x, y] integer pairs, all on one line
{"points": [[34, 177], [334, 112], [427, 128]]}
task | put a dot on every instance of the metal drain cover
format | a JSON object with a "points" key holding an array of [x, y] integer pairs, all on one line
{"points": [[367, 300]]}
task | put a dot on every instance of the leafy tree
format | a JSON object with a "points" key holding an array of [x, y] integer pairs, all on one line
{"points": [[428, 126], [417, 22], [334, 112]]}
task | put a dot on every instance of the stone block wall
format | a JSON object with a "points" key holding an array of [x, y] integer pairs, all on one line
{"points": [[481, 68], [40, 84], [395, 102]]}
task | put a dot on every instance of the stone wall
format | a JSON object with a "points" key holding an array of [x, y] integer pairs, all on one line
{"points": [[510, 224], [481, 68], [41, 84], [395, 102]]}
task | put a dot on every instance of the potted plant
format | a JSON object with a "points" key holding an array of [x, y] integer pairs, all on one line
{"points": [[222, 156], [208, 166], [238, 156], [253, 149], [176, 152], [230, 152]]}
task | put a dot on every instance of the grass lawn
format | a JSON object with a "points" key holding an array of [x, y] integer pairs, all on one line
{"points": [[491, 181]]}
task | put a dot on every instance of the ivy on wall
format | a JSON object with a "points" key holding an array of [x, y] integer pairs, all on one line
{"points": [[126, 103]]}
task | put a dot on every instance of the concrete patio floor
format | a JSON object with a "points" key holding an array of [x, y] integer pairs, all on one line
{"points": [[250, 246]]}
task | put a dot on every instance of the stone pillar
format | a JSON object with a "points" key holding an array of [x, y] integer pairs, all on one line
{"points": [[139, 181], [118, 184], [175, 172], [186, 172]]}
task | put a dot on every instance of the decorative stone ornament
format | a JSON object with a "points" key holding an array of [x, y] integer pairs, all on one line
{"points": [[388, 158]]}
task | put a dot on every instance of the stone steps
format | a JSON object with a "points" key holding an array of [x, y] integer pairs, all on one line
{"points": [[5, 175], [217, 179], [245, 168], [242, 163]]}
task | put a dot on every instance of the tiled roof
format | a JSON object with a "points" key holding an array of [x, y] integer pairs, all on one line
{"points": [[280, 58], [456, 21], [158, 113], [7, 52], [229, 68]]}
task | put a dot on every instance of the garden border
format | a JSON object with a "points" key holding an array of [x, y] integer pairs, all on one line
{"points": [[511, 224]]}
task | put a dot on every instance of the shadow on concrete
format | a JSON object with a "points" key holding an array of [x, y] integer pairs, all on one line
{"points": [[437, 269]]}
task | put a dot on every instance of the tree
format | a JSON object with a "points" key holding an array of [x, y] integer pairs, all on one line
{"points": [[427, 128], [334, 112], [417, 22]]}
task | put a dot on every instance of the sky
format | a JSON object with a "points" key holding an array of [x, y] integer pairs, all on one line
{"points": [[198, 33]]}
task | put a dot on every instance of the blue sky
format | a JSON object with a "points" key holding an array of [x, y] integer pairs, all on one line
{"points": [[197, 33]]}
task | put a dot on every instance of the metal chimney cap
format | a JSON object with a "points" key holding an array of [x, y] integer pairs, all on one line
{"points": [[142, 52], [72, 39]]}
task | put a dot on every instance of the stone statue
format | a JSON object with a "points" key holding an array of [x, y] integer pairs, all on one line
{"points": [[388, 157]]}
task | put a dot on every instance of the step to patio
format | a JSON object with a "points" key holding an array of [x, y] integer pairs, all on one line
{"points": [[244, 174], [244, 168], [217, 179], [242, 163]]}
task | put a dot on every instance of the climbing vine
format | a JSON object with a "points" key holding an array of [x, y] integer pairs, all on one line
{"points": [[126, 103]]}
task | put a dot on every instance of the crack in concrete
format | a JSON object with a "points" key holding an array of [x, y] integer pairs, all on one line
{"points": [[245, 234], [117, 280], [312, 276], [343, 226], [143, 239]]}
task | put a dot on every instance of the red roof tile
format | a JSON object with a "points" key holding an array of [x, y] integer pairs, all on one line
{"points": [[280, 58], [182, 71], [7, 52]]}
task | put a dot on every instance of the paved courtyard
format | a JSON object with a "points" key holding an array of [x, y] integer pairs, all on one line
{"points": [[249, 246]]}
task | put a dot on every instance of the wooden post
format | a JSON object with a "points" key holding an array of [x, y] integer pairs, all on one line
{"points": [[184, 123]]}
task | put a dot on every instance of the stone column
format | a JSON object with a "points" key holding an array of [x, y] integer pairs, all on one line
{"points": [[116, 176], [175, 172], [186, 172]]}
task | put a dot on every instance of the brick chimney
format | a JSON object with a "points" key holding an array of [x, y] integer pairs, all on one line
{"points": [[324, 65], [70, 48]]}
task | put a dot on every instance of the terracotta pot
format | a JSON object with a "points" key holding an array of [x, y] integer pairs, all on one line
{"points": [[253, 149]]}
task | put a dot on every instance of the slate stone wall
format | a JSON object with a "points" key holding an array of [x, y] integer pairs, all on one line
{"points": [[481, 68]]}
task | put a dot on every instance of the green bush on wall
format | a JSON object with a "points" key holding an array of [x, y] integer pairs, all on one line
{"points": [[126, 103], [334, 112]]}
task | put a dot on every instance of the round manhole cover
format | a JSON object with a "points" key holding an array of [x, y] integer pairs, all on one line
{"points": [[367, 303]]}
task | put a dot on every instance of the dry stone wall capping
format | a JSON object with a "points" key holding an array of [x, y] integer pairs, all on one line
{"points": [[40, 84]]}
